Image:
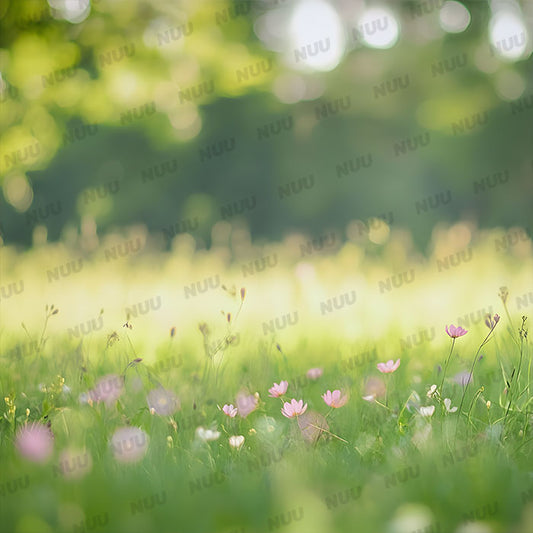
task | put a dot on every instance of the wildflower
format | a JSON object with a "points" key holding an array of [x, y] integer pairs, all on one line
{"points": [[164, 402], [463, 378], [432, 391], [236, 441], [207, 434], [447, 404], [369, 398], [108, 389], [389, 366], [295, 408], [35, 442], [314, 373], [455, 331], [246, 403], [229, 410], [491, 321], [278, 390], [335, 399], [488, 404], [427, 411], [129, 444]]}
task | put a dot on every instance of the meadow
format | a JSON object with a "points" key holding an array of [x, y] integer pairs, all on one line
{"points": [[141, 388]]}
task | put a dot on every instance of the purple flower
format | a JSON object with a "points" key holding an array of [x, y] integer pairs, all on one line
{"points": [[463, 378], [455, 331], [491, 321]]}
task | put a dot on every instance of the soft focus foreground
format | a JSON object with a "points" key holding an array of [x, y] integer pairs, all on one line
{"points": [[143, 390]]}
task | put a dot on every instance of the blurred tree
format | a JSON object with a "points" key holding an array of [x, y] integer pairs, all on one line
{"points": [[179, 114]]}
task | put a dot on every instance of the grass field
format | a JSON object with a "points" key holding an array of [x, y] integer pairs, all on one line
{"points": [[143, 347]]}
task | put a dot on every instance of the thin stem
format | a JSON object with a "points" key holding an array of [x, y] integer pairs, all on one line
{"points": [[446, 368], [329, 432], [510, 384], [471, 375]]}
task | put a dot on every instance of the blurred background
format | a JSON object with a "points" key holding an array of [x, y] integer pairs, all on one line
{"points": [[278, 116]]}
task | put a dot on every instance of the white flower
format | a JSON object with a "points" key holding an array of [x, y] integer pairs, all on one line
{"points": [[207, 434], [236, 441], [447, 403], [432, 391], [369, 398], [427, 411]]}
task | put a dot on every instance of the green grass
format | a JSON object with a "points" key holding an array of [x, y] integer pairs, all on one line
{"points": [[396, 471], [381, 467]]}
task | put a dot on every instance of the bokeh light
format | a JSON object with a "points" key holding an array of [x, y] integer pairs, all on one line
{"points": [[378, 27], [316, 37], [454, 17]]}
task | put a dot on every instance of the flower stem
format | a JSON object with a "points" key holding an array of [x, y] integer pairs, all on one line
{"points": [[471, 375], [446, 368]]}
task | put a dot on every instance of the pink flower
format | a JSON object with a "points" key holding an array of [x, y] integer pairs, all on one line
{"points": [[246, 403], [35, 442], [335, 399], [314, 373], [163, 402], [107, 389], [455, 331], [389, 366], [278, 390], [129, 444], [230, 410], [295, 408]]}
